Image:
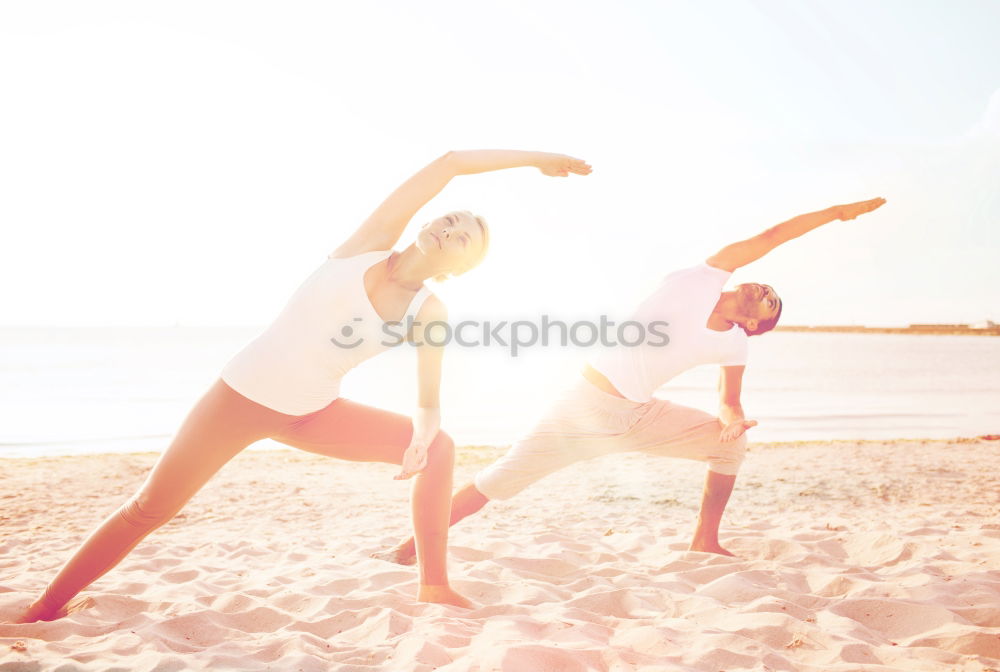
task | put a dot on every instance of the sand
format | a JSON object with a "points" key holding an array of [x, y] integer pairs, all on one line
{"points": [[852, 556]]}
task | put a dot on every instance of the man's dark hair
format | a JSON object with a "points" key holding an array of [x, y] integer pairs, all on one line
{"points": [[765, 326]]}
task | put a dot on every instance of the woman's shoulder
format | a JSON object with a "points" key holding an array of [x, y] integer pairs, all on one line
{"points": [[433, 307], [344, 252]]}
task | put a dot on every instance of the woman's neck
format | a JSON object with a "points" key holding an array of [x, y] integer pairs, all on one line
{"points": [[408, 268]]}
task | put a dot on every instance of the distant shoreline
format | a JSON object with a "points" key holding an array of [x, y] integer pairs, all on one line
{"points": [[933, 330], [484, 453]]}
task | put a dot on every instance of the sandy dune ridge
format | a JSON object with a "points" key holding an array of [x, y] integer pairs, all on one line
{"points": [[853, 556]]}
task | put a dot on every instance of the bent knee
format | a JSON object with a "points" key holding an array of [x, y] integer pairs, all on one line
{"points": [[443, 438], [442, 448], [727, 456]]}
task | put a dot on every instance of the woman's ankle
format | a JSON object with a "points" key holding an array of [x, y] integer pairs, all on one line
{"points": [[39, 610]]}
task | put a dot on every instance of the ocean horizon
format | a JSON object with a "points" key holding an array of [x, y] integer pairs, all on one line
{"points": [[85, 390]]}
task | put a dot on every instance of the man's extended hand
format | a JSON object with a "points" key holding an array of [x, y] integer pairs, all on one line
{"points": [[734, 430], [852, 210]]}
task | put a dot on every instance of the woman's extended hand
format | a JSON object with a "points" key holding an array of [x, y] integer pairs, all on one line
{"points": [[414, 460], [852, 210], [560, 165]]}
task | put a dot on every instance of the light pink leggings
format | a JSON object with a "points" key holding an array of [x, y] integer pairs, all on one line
{"points": [[221, 424]]}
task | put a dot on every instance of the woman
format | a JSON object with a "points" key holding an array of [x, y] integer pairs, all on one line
{"points": [[284, 385]]}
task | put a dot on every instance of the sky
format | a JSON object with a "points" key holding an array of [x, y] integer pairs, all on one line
{"points": [[192, 162]]}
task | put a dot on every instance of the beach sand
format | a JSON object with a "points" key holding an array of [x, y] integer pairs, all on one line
{"points": [[881, 555]]}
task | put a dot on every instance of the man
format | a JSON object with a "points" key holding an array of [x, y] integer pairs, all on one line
{"points": [[611, 409]]}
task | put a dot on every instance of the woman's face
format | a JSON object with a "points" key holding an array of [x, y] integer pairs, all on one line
{"points": [[457, 239]]}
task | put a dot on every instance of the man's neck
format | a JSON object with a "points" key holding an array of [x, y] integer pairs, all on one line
{"points": [[718, 321]]}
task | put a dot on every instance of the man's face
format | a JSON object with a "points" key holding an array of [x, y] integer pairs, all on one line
{"points": [[757, 302]]}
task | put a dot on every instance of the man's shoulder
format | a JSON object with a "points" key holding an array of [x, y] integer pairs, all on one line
{"points": [[700, 270], [700, 277]]}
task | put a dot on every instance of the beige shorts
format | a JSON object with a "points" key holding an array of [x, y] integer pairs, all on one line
{"points": [[585, 422]]}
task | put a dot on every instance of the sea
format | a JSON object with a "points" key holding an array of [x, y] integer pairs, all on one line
{"points": [[85, 390]]}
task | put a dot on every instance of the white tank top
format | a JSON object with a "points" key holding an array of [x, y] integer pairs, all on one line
{"points": [[328, 327]]}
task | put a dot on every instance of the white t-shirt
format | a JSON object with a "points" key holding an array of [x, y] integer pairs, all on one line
{"points": [[684, 300]]}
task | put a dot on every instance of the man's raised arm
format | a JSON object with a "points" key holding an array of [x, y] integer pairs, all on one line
{"points": [[742, 253]]}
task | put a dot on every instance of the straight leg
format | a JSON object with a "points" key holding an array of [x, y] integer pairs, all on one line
{"points": [[219, 426]]}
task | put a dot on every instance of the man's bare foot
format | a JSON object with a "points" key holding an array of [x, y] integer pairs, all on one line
{"points": [[443, 595], [398, 555], [706, 547]]}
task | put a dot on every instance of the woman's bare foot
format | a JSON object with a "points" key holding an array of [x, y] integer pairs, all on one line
{"points": [[443, 595], [399, 555], [708, 547], [38, 611]]}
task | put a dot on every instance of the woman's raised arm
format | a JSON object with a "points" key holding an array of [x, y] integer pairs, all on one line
{"points": [[386, 224]]}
